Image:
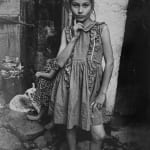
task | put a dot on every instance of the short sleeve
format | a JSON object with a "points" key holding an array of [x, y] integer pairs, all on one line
{"points": [[52, 65], [102, 26]]}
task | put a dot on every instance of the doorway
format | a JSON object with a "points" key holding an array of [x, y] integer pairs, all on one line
{"points": [[40, 41], [133, 93]]}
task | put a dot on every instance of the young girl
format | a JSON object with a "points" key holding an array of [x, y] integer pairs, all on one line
{"points": [[45, 81], [79, 90]]}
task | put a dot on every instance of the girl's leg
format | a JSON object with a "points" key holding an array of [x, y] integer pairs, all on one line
{"points": [[98, 134], [71, 138]]}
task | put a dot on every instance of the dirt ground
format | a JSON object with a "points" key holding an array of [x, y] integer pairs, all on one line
{"points": [[18, 133]]}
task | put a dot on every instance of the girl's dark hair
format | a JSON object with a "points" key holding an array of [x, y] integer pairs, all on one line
{"points": [[92, 2]]}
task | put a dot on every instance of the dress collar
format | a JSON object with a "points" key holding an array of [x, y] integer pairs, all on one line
{"points": [[89, 26]]}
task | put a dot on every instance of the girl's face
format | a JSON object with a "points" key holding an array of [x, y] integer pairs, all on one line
{"points": [[81, 9]]}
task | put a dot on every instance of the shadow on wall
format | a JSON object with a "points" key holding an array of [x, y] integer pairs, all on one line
{"points": [[133, 91]]}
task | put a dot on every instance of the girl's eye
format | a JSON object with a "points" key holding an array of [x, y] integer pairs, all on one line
{"points": [[75, 5], [85, 5]]}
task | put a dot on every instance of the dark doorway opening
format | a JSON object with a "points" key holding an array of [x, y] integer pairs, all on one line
{"points": [[133, 93], [41, 41]]}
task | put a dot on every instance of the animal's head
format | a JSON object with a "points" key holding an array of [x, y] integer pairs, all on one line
{"points": [[30, 92]]}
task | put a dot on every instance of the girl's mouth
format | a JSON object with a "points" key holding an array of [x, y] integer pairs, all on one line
{"points": [[80, 17]]}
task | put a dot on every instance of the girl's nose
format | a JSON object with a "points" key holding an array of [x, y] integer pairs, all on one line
{"points": [[80, 10]]}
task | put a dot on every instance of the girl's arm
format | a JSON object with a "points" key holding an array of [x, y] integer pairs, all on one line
{"points": [[63, 42], [109, 64], [60, 59], [48, 75], [64, 51]]}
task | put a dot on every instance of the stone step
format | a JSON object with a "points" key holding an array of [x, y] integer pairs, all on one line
{"points": [[25, 129]]}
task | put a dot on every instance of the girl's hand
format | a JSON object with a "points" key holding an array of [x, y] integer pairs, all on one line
{"points": [[76, 29], [99, 101], [48, 60], [38, 74]]}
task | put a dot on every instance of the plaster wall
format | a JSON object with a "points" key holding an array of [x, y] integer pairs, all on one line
{"points": [[113, 13], [9, 32], [9, 7]]}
